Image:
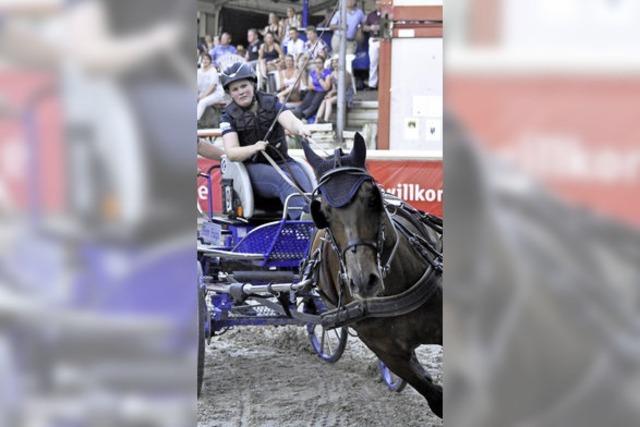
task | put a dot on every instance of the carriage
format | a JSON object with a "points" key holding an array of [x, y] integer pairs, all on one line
{"points": [[255, 268]]}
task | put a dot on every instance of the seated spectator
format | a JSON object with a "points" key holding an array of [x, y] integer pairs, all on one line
{"points": [[209, 90], [315, 47], [326, 107], [274, 27], [224, 48], [289, 82], [241, 51], [202, 50], [269, 55], [318, 83], [302, 65], [253, 48], [295, 46], [209, 41], [293, 20]]}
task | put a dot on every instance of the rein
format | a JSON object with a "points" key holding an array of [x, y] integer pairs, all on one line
{"points": [[284, 176]]}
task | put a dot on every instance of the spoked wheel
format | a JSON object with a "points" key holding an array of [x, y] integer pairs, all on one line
{"points": [[393, 382], [328, 344], [203, 317]]}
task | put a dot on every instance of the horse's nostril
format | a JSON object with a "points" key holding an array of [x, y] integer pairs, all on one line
{"points": [[373, 280]]}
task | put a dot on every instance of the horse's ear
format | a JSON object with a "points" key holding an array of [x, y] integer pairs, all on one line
{"points": [[313, 159], [359, 152], [318, 216]]}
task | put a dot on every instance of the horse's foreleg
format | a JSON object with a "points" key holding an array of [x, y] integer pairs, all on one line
{"points": [[407, 367]]}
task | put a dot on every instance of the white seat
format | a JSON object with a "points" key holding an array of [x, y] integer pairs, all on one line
{"points": [[237, 171]]}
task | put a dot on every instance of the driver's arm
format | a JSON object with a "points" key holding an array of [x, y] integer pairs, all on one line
{"points": [[291, 123], [237, 153]]}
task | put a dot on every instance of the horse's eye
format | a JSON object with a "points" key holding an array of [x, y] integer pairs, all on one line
{"points": [[374, 200]]}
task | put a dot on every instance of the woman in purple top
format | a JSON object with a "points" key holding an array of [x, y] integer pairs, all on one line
{"points": [[326, 107], [319, 82]]}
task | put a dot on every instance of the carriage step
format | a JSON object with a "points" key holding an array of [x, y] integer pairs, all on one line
{"points": [[252, 311]]}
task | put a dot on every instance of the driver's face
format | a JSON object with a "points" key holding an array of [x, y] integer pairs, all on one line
{"points": [[241, 92]]}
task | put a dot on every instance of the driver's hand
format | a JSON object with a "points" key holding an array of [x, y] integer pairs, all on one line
{"points": [[260, 146], [304, 132]]}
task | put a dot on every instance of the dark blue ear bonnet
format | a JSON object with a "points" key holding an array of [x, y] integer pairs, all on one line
{"points": [[339, 189]]}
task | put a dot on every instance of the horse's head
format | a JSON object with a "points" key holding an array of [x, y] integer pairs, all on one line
{"points": [[351, 208]]}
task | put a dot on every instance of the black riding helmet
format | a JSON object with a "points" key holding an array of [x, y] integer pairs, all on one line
{"points": [[236, 72]]}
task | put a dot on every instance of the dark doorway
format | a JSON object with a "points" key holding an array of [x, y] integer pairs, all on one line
{"points": [[238, 22]]}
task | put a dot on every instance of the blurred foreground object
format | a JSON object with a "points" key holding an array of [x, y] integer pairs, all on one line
{"points": [[542, 177], [541, 303], [553, 88], [97, 259]]}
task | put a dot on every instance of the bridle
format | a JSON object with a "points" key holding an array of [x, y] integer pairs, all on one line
{"points": [[377, 246], [395, 305]]}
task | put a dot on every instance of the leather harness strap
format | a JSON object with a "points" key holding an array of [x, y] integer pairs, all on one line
{"points": [[391, 306]]}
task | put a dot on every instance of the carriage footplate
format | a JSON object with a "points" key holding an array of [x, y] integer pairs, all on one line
{"points": [[253, 311], [342, 316], [245, 310]]}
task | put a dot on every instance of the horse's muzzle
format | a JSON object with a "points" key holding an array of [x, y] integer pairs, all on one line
{"points": [[366, 285]]}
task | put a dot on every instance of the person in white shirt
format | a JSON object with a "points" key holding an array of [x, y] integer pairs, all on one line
{"points": [[209, 90], [295, 46], [315, 47]]}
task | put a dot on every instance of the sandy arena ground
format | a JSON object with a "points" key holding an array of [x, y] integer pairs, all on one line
{"points": [[270, 376]]}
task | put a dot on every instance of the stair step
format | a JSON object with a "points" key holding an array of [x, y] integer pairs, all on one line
{"points": [[369, 105]]}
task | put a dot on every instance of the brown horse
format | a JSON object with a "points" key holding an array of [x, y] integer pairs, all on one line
{"points": [[368, 255]]}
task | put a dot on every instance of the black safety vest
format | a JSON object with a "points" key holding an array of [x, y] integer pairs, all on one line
{"points": [[252, 127]]}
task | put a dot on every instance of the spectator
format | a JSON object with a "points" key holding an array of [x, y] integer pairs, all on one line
{"points": [[209, 42], [355, 18], [224, 48], [269, 54], [301, 66], [275, 27], [313, 49], [253, 48], [209, 90], [295, 46], [293, 20], [202, 50], [318, 83], [326, 107], [241, 51], [372, 26], [290, 84]]}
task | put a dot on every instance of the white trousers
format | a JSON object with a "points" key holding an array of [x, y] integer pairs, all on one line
{"points": [[374, 58], [214, 98]]}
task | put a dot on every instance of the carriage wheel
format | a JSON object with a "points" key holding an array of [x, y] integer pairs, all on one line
{"points": [[328, 344], [202, 318], [393, 382]]}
